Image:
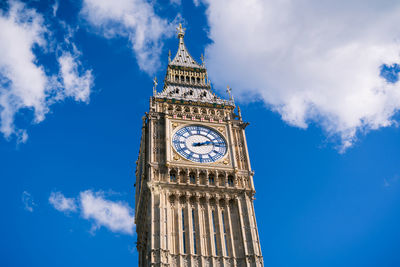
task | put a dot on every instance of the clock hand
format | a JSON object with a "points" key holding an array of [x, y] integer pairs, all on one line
{"points": [[202, 144], [207, 143]]}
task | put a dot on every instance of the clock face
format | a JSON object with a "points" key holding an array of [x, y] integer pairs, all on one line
{"points": [[199, 144]]}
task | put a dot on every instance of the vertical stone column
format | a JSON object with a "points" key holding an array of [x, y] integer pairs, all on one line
{"points": [[167, 139], [197, 177], [225, 178], [209, 226], [204, 225], [187, 171], [250, 218], [172, 227], [179, 224], [220, 232], [256, 231], [190, 227], [199, 227], [246, 151], [229, 231], [242, 226], [231, 141], [152, 226]]}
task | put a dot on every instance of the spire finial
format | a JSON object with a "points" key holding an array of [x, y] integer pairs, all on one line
{"points": [[229, 91], [181, 31], [169, 56], [202, 59], [155, 83]]}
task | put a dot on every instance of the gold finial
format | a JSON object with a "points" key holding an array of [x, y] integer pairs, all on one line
{"points": [[202, 59], [155, 83], [181, 31], [169, 56], [229, 91]]}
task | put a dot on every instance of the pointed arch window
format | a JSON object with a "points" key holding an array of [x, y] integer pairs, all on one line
{"points": [[172, 176], [230, 180], [192, 178], [211, 179]]}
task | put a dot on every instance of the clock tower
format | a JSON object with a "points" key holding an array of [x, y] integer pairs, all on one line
{"points": [[194, 183]]}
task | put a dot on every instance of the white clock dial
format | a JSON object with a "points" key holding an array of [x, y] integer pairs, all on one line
{"points": [[199, 144]]}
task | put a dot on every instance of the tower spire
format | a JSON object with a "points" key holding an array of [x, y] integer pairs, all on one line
{"points": [[183, 57]]}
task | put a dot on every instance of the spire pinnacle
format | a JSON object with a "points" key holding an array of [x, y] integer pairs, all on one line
{"points": [[229, 91], [155, 83], [181, 31]]}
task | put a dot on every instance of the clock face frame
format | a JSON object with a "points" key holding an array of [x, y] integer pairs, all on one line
{"points": [[199, 143]]}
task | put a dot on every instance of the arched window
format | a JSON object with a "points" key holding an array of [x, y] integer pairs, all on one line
{"points": [[230, 180], [182, 78], [198, 80], [192, 178], [172, 176], [193, 80], [211, 179], [187, 79], [176, 78]]}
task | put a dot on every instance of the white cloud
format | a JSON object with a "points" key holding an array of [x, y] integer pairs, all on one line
{"points": [[24, 82], [55, 8], [135, 20], [61, 203], [28, 202], [114, 215], [311, 61], [76, 85]]}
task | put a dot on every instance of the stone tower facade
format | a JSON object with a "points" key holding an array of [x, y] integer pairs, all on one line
{"points": [[194, 183]]}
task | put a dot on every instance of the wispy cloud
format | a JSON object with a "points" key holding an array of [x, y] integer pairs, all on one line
{"points": [[313, 62], [389, 182], [116, 216], [61, 203], [28, 202], [25, 83], [135, 20]]}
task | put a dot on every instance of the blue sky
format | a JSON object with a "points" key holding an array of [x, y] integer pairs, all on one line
{"points": [[75, 80]]}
